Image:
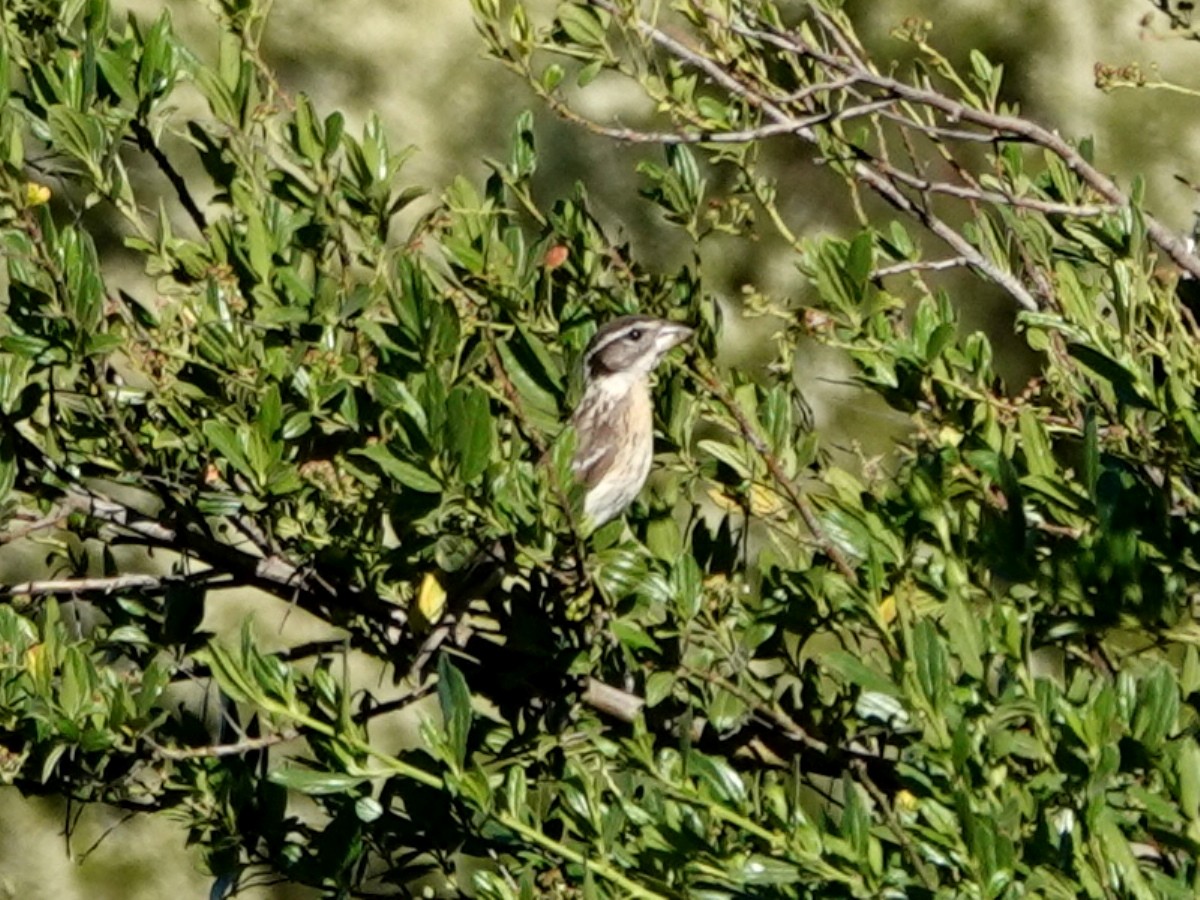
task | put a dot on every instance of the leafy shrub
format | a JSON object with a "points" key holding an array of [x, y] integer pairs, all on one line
{"points": [[967, 671]]}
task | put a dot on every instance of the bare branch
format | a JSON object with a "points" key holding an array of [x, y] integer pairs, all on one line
{"points": [[743, 136], [752, 437], [789, 727], [619, 704], [976, 194], [87, 585], [237, 748], [56, 518], [1172, 244], [863, 168], [920, 265], [146, 143]]}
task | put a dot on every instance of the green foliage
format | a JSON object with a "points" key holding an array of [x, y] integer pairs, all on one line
{"points": [[968, 670]]}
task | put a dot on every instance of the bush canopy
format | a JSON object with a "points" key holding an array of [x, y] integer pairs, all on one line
{"points": [[968, 668]]}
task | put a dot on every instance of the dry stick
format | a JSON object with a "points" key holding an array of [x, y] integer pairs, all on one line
{"points": [[974, 194], [87, 585], [111, 829], [752, 437], [863, 168], [820, 87], [619, 704]]}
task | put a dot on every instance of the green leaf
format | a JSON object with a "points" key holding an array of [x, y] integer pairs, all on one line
{"points": [[659, 686], [1038, 456], [1157, 708], [757, 870], [367, 809], [632, 636], [1187, 765], [78, 135], [966, 639], [539, 404], [454, 698], [734, 457], [270, 413], [229, 672], [469, 421], [1124, 383], [230, 444], [552, 76], [583, 25], [722, 777], [404, 472], [305, 134], [860, 259], [930, 659], [686, 587], [848, 667], [306, 781]]}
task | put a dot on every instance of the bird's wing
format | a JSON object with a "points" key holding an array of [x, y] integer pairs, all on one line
{"points": [[595, 451]]}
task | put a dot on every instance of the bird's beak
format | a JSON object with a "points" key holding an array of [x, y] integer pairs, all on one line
{"points": [[672, 335]]}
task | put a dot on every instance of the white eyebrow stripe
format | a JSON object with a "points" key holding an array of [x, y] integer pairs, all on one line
{"points": [[609, 339]]}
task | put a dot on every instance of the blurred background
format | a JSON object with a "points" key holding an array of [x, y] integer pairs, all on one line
{"points": [[419, 65]]}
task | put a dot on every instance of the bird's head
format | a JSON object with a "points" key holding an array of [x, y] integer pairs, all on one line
{"points": [[631, 345]]}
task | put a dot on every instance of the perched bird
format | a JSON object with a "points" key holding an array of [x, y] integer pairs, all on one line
{"points": [[614, 446], [614, 422]]}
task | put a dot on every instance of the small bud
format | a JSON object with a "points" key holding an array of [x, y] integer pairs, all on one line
{"points": [[36, 194], [555, 256]]}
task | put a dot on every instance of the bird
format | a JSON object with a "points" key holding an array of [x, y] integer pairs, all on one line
{"points": [[614, 448], [614, 420]]}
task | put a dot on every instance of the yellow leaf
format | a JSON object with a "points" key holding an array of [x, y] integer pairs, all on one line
{"points": [[431, 598], [765, 503], [723, 501], [887, 609]]}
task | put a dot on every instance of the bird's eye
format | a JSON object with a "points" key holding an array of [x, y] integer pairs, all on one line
{"points": [[635, 335]]}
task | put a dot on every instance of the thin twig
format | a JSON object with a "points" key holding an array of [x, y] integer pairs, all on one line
{"points": [[976, 194], [248, 745], [919, 265], [705, 136], [791, 729], [51, 521], [104, 835], [898, 830], [145, 142], [752, 437]]}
